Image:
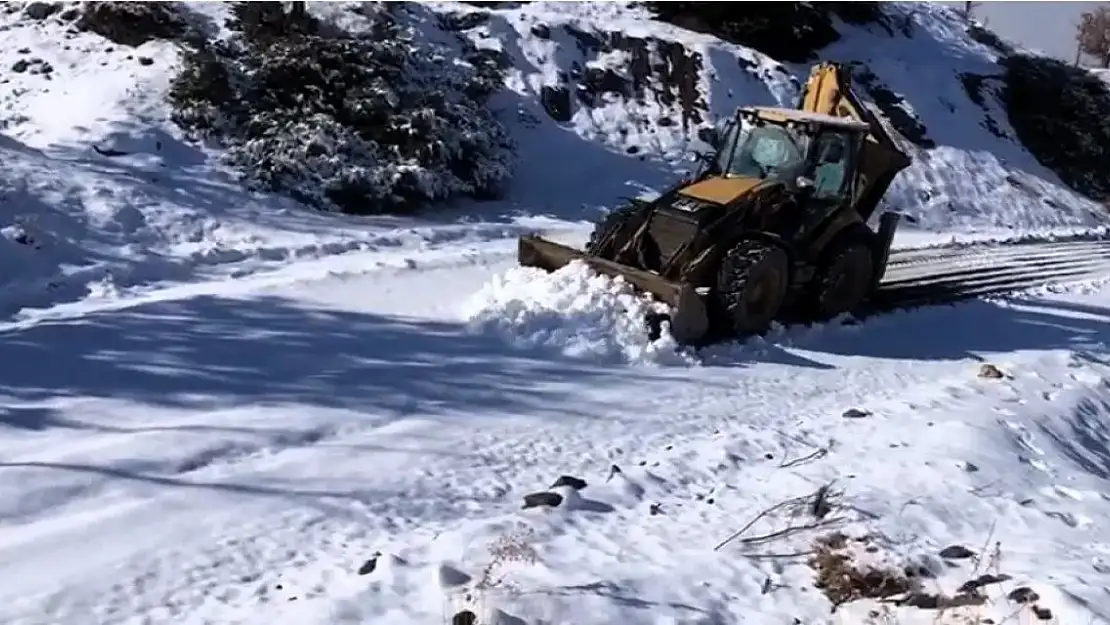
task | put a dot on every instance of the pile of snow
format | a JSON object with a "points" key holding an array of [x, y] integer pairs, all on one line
{"points": [[575, 312]]}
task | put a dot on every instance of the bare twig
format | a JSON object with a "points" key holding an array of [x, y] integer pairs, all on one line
{"points": [[819, 505], [793, 529], [816, 455], [777, 556], [749, 524]]}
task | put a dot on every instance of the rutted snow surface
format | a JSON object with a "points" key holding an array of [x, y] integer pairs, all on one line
{"points": [[574, 311], [143, 487]]}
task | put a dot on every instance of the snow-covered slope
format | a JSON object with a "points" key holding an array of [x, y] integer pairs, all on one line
{"points": [[266, 415], [642, 87], [102, 197], [84, 223]]}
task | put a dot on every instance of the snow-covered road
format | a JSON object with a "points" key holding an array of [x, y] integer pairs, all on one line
{"points": [[205, 456]]}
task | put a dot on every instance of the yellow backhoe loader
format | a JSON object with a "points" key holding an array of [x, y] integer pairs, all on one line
{"points": [[773, 227]]}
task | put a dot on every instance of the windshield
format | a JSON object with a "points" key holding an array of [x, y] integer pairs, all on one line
{"points": [[766, 151]]}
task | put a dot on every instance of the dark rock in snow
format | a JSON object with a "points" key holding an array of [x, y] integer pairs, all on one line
{"points": [[1043, 614], [956, 552], [990, 371], [855, 413], [1023, 594], [973, 585], [543, 31], [544, 498], [571, 481], [556, 101], [41, 10], [369, 566], [21, 66]]}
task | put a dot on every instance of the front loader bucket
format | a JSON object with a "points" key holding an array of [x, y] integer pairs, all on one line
{"points": [[689, 318]]}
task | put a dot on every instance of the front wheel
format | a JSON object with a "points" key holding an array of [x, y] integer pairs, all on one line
{"points": [[752, 284], [845, 281]]}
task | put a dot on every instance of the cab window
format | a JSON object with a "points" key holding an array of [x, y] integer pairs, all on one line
{"points": [[830, 166]]}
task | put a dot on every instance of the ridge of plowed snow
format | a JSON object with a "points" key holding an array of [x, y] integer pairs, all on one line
{"points": [[575, 312]]}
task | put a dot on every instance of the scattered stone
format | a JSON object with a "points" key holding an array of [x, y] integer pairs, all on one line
{"points": [[989, 371], [543, 31], [972, 585], [450, 577], [971, 467], [571, 481], [21, 66], [466, 617], [369, 566], [1043, 614], [956, 552], [614, 470], [24, 50], [146, 60], [1023, 594], [655, 509], [855, 413], [41, 10], [543, 498], [556, 101]]}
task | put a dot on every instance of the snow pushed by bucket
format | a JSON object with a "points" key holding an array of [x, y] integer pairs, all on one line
{"points": [[576, 312]]}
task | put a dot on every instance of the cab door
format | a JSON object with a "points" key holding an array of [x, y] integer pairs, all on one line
{"points": [[830, 172]]}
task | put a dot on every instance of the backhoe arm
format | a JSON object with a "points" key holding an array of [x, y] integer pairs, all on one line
{"points": [[829, 91]]}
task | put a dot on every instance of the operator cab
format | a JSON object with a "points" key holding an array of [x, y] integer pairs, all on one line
{"points": [[806, 151]]}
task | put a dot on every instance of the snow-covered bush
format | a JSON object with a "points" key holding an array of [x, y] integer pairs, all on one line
{"points": [[135, 23], [787, 31], [363, 122], [1061, 114]]}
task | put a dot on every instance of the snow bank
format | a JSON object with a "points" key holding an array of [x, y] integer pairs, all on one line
{"points": [[575, 312]]}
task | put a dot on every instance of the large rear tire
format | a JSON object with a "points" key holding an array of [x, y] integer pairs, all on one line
{"points": [[844, 280], [752, 284]]}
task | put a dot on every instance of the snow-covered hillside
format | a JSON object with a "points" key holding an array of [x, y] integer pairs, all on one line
{"points": [[619, 79], [80, 223], [218, 406]]}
